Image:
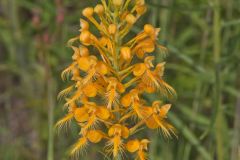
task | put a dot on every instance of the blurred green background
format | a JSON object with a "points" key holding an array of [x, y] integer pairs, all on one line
{"points": [[203, 38]]}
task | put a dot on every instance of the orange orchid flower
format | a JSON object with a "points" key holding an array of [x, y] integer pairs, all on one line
{"points": [[110, 77]]}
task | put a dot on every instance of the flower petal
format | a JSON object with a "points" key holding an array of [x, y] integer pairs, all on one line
{"points": [[94, 136], [90, 90], [133, 145], [102, 68], [126, 100], [83, 63], [139, 69], [124, 132], [103, 113], [151, 123], [164, 110], [81, 115]]}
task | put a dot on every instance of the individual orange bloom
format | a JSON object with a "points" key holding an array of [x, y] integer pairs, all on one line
{"points": [[157, 119], [88, 115], [138, 146], [116, 133]]}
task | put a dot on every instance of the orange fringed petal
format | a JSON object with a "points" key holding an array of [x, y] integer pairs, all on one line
{"points": [[117, 145], [79, 145], [147, 88], [150, 89], [141, 155]]}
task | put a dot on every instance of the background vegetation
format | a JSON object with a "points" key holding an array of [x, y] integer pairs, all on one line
{"points": [[203, 38]]}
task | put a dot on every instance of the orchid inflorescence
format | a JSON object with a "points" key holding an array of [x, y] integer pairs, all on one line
{"points": [[110, 75]]}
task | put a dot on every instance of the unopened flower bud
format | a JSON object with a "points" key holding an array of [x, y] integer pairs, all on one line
{"points": [[112, 28], [84, 51], [140, 2], [85, 37], [84, 25], [88, 12], [117, 3], [103, 41], [124, 15], [126, 53], [130, 19], [99, 9], [149, 29], [141, 9]]}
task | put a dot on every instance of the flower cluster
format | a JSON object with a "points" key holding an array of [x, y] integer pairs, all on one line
{"points": [[110, 75]]}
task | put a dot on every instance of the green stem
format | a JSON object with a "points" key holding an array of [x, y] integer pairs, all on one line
{"points": [[126, 4], [128, 84], [217, 32], [217, 54]]}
